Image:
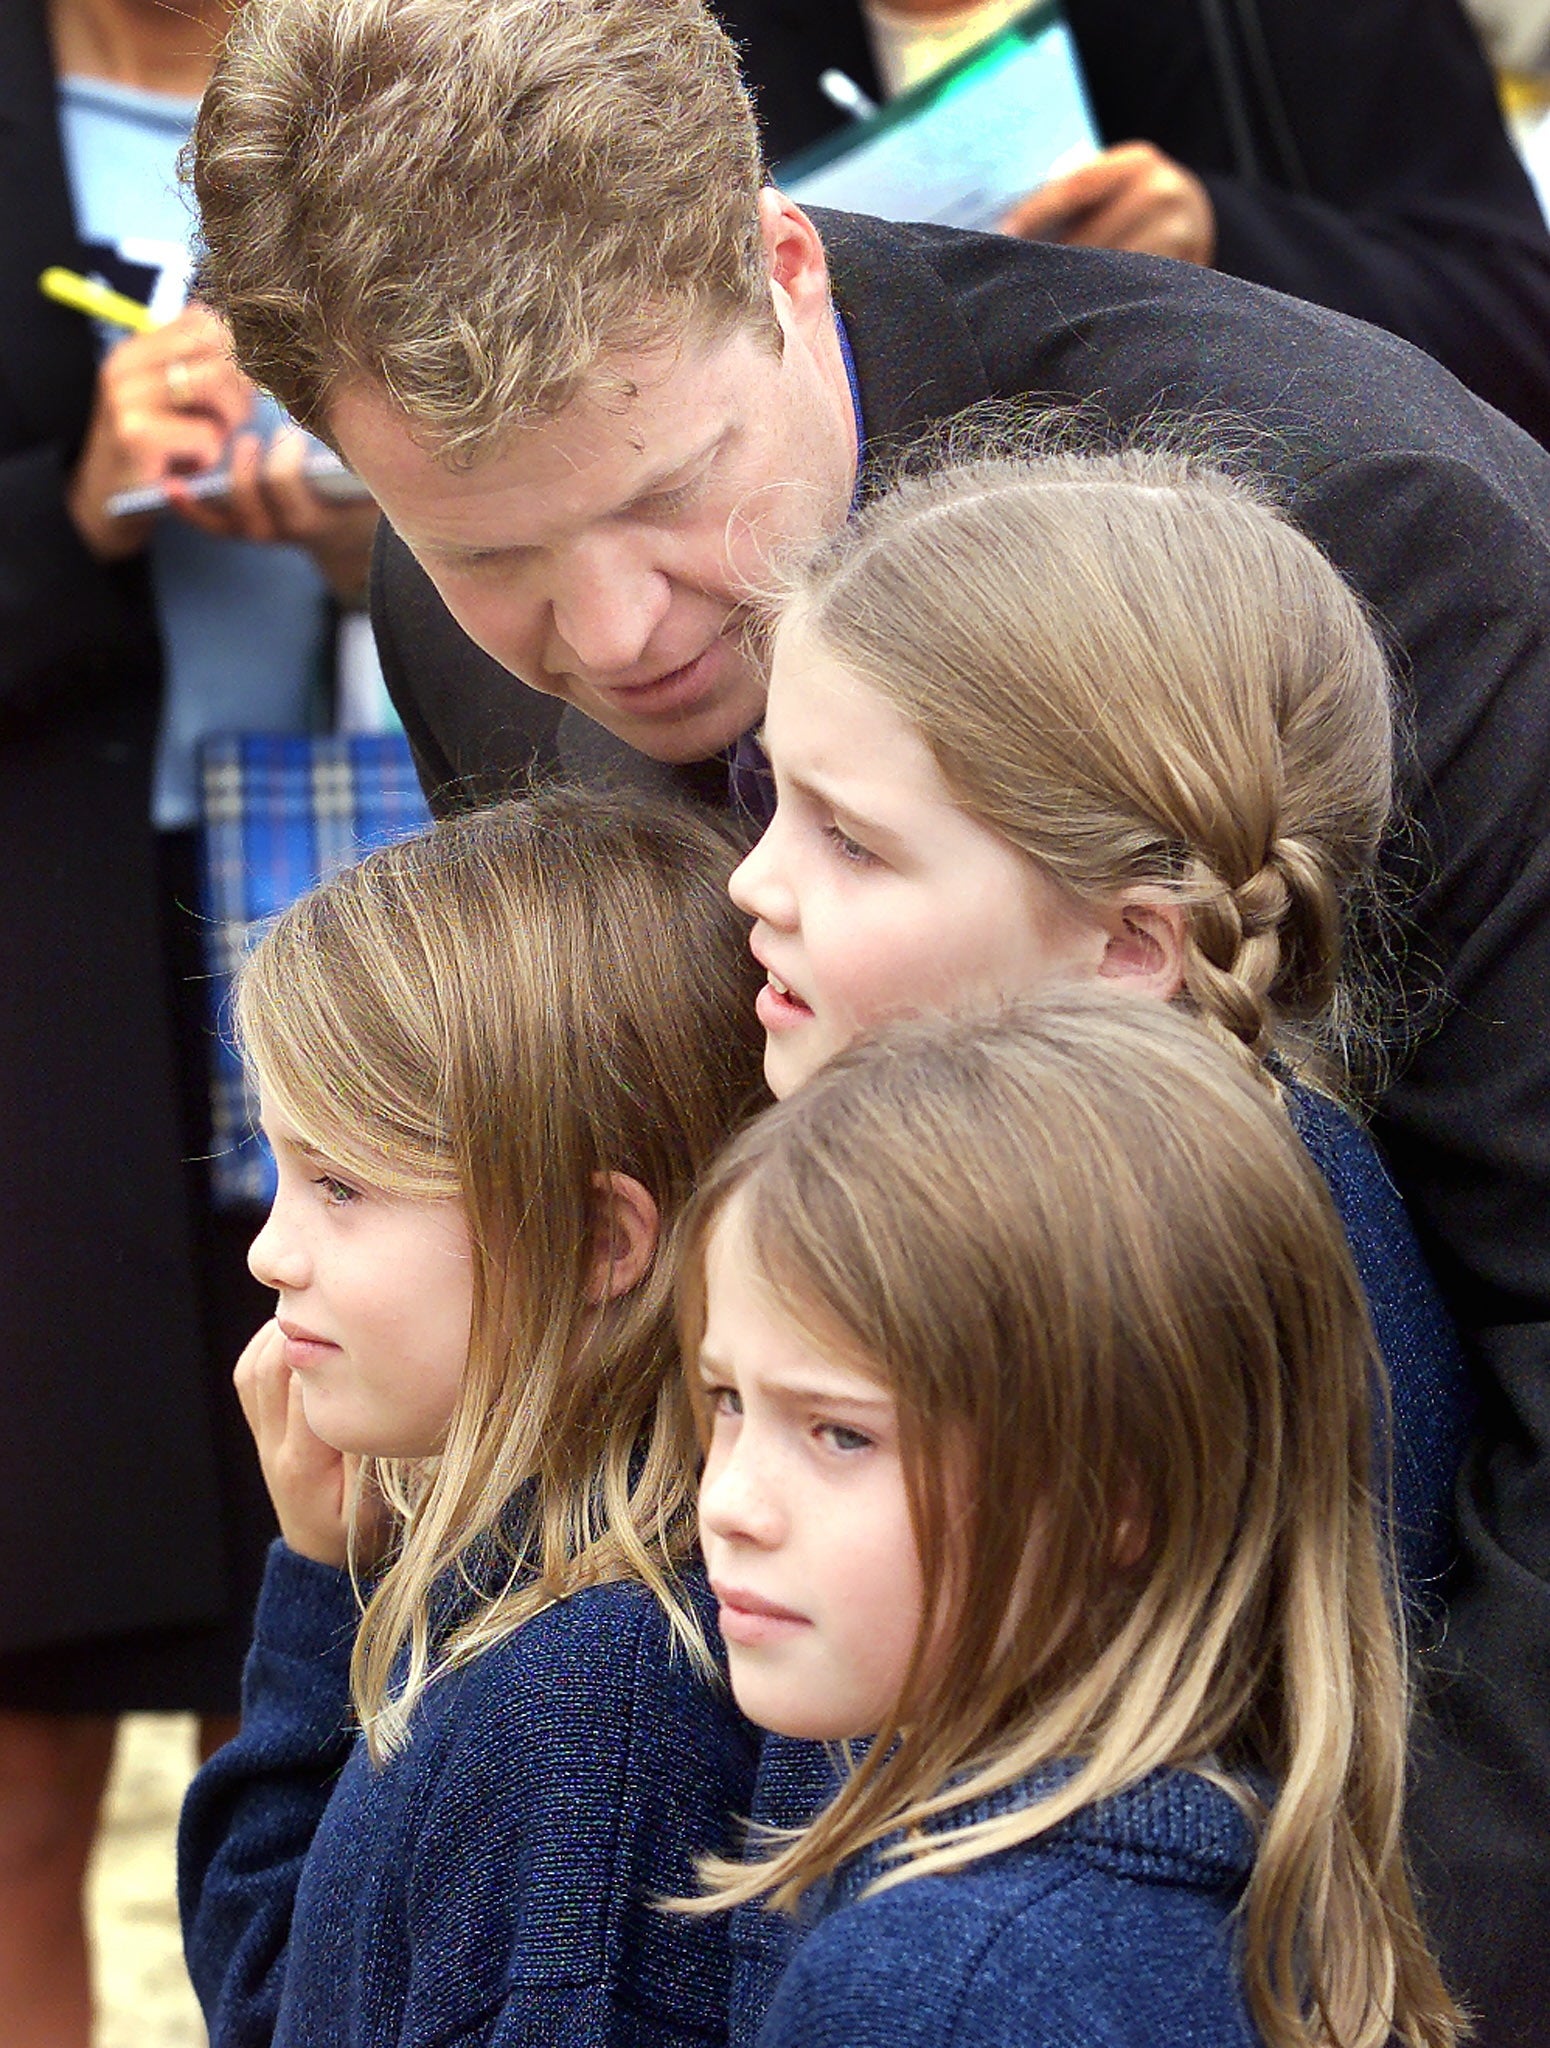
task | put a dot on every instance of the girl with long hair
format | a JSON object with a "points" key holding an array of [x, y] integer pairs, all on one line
{"points": [[1069, 717], [492, 1061], [1033, 1374]]}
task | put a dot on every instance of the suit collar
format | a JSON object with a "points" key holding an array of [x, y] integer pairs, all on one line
{"points": [[916, 361]]}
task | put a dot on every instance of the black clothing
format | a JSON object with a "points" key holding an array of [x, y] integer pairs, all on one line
{"points": [[1438, 510], [113, 1509], [1354, 154]]}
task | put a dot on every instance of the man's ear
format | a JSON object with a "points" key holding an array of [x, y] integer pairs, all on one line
{"points": [[625, 1236], [1144, 951], [797, 265]]}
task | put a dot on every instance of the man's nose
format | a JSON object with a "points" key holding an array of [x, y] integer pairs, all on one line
{"points": [[606, 605]]}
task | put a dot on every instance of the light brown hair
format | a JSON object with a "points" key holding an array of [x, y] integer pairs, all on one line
{"points": [[1138, 671], [1082, 1245], [473, 204], [503, 1010]]}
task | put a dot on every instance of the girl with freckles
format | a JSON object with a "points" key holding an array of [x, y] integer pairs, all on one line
{"points": [[1033, 1376]]}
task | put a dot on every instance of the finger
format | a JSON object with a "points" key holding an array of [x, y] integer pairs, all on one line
{"points": [[306, 1458], [263, 1357], [1122, 224], [1044, 215], [203, 343], [210, 515], [1050, 213], [246, 509], [154, 451]]}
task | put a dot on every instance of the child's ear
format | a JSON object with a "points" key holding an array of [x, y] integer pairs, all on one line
{"points": [[624, 1235], [1144, 952]]}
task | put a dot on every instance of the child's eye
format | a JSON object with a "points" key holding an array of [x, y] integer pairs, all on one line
{"points": [[841, 1437], [335, 1192], [847, 848], [723, 1400]]}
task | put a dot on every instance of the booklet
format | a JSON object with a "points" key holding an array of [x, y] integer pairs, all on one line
{"points": [[966, 144]]}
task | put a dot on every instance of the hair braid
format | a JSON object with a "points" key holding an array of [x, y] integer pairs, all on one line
{"points": [[1264, 950]]}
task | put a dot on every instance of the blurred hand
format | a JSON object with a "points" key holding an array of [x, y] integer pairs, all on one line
{"points": [[313, 1486], [165, 405], [1132, 197], [271, 500]]}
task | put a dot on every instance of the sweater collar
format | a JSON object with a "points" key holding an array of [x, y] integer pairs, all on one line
{"points": [[1170, 1827]]}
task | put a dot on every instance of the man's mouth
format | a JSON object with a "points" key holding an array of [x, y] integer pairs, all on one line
{"points": [[674, 690]]}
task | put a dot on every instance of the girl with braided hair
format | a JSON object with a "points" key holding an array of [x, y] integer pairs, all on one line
{"points": [[1101, 716]]}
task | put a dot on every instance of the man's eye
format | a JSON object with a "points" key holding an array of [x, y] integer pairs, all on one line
{"points": [[667, 504]]}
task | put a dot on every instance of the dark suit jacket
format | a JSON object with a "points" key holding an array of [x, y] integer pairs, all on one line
{"points": [[1438, 510], [1354, 154], [108, 1518]]}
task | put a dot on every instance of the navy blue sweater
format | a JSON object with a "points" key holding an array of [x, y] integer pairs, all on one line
{"points": [[1114, 1930], [1433, 1402], [490, 1885]]}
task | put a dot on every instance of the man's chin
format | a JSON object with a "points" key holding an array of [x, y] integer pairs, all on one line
{"points": [[683, 737]]}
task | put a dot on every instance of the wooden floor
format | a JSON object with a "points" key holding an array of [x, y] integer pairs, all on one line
{"points": [[143, 1996]]}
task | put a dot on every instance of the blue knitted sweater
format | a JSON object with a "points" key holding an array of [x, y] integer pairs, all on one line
{"points": [[1113, 1931], [492, 1884], [1110, 1932], [1432, 1397]]}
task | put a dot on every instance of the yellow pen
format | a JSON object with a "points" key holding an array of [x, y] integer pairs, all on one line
{"points": [[81, 295]]}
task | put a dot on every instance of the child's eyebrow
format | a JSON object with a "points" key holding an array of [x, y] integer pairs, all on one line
{"points": [[798, 1394], [818, 790]]}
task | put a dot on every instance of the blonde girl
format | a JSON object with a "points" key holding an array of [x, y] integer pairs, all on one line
{"points": [[1099, 718], [1033, 1375], [492, 1061]]}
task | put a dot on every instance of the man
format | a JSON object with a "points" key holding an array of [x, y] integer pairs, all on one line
{"points": [[513, 257]]}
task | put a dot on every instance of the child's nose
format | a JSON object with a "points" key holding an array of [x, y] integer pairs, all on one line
{"points": [[274, 1258], [759, 886], [738, 1502]]}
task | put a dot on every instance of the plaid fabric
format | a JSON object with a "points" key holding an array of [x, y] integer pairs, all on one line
{"points": [[279, 812]]}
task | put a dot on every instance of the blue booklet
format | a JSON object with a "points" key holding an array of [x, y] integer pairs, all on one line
{"points": [[966, 144]]}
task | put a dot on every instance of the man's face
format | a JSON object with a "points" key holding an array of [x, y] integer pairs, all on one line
{"points": [[607, 556]]}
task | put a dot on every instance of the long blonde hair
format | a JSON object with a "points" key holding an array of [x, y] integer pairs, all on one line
{"points": [[1139, 672], [504, 1010], [1080, 1244]]}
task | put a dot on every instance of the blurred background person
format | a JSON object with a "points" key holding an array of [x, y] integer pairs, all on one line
{"points": [[1350, 154], [132, 1520]]}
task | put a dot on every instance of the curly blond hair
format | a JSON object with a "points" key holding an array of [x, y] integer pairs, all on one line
{"points": [[473, 204]]}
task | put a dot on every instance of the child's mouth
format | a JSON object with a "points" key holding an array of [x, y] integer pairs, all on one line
{"points": [[777, 1007]]}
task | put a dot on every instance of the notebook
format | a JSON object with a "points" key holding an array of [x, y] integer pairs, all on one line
{"points": [[965, 144]]}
